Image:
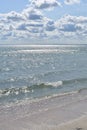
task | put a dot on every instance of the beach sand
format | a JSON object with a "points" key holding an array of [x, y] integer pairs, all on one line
{"points": [[68, 112], [78, 124]]}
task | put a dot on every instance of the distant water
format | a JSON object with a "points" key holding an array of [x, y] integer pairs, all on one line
{"points": [[35, 72]]}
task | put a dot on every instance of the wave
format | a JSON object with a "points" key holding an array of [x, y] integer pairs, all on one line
{"points": [[60, 83], [27, 89], [54, 84], [11, 91], [70, 81], [32, 88]]}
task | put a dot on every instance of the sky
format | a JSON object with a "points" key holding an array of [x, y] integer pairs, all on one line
{"points": [[43, 22]]}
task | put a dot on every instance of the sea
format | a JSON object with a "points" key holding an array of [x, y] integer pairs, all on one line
{"points": [[35, 72]]}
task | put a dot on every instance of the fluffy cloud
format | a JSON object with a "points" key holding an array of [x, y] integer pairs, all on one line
{"points": [[32, 14], [69, 2], [14, 16], [45, 4], [31, 23], [21, 25], [72, 26]]}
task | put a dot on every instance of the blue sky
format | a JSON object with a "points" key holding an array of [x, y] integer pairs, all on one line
{"points": [[10, 5], [43, 22]]}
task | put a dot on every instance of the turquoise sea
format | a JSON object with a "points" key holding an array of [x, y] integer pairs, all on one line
{"points": [[35, 72]]}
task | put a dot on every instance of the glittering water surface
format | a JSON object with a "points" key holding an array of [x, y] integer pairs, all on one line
{"points": [[34, 72]]}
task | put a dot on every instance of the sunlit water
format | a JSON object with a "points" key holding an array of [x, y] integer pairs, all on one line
{"points": [[35, 72]]}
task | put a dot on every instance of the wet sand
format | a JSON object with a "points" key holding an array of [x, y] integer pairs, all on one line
{"points": [[68, 112], [78, 124]]}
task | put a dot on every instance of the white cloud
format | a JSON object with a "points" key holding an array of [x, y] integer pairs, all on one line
{"points": [[72, 26], [14, 16], [70, 2], [32, 14], [32, 24], [41, 26], [45, 4]]}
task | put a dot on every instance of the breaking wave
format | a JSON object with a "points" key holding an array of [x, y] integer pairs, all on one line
{"points": [[54, 84], [27, 89], [11, 91], [36, 87]]}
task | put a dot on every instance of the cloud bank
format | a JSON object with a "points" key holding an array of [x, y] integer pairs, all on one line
{"points": [[32, 24]]}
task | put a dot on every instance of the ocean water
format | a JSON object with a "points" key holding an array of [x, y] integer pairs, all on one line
{"points": [[29, 73]]}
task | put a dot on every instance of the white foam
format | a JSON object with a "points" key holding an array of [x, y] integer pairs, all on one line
{"points": [[55, 84], [12, 79], [7, 93], [16, 92]]}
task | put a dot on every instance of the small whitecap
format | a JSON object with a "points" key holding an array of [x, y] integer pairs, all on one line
{"points": [[7, 93], [12, 79], [26, 91], [16, 92], [55, 84], [7, 69]]}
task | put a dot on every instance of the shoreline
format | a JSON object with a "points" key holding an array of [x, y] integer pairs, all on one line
{"points": [[67, 112]]}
